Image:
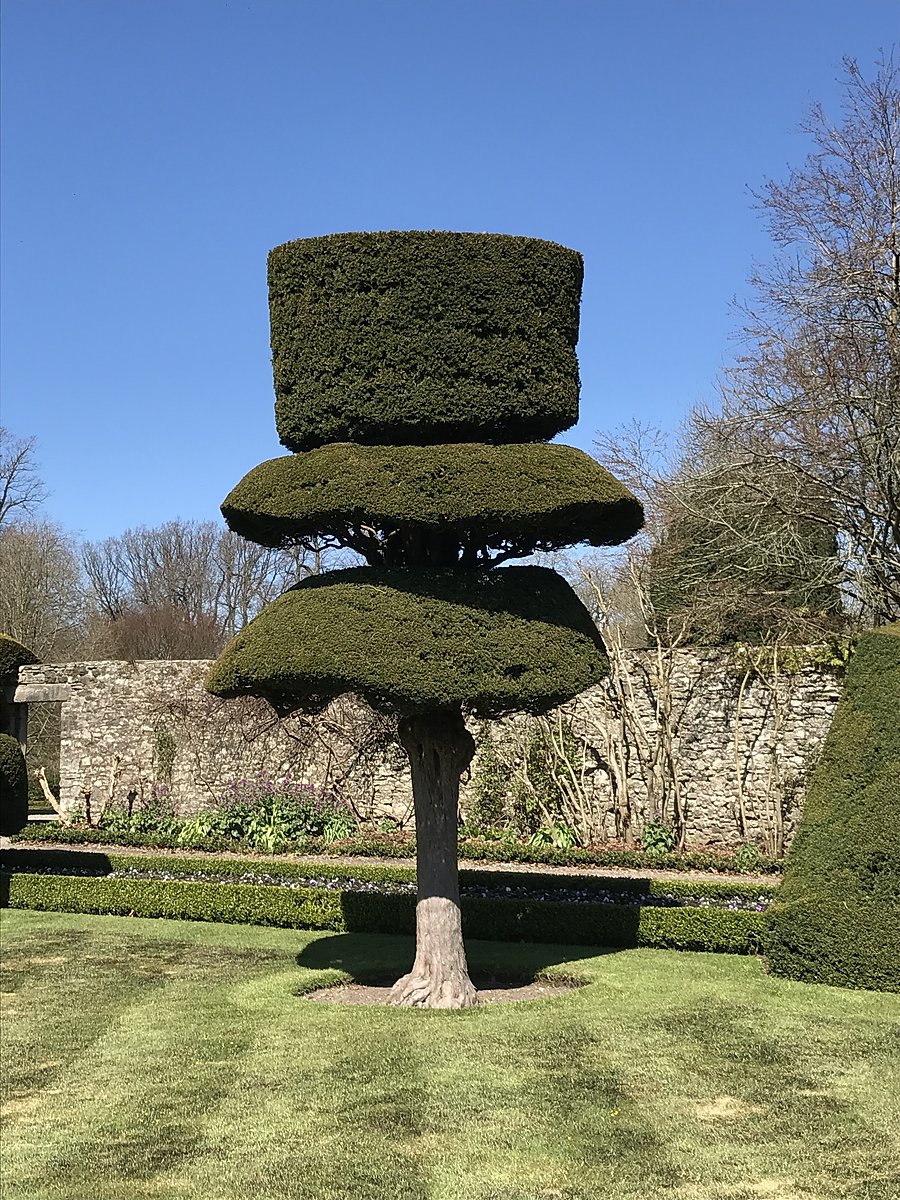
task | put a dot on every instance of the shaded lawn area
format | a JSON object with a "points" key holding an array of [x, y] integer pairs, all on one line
{"points": [[176, 1059]]}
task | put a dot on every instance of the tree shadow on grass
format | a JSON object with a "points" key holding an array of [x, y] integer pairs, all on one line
{"points": [[58, 862], [382, 958]]}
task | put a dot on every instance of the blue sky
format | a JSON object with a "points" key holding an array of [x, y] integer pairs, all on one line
{"points": [[155, 150]]}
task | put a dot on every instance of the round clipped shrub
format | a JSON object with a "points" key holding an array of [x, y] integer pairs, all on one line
{"points": [[13, 786], [12, 656], [837, 916], [410, 641], [523, 493], [418, 337]]}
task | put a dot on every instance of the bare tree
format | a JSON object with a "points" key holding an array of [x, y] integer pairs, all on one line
{"points": [[21, 489], [811, 411], [718, 559], [184, 588], [157, 631], [787, 497], [42, 601]]}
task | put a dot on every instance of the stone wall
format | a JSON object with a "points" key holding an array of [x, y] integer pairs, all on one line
{"points": [[687, 737]]}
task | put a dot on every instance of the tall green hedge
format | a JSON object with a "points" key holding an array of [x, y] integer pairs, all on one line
{"points": [[13, 786], [12, 656], [418, 337], [837, 918], [513, 639], [482, 494]]}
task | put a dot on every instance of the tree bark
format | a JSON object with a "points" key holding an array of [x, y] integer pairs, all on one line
{"points": [[439, 748]]}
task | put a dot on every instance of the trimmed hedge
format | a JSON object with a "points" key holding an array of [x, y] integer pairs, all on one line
{"points": [[418, 337], [12, 656], [516, 639], [837, 920], [61, 861], [13, 786], [482, 495], [354, 912], [386, 846]]}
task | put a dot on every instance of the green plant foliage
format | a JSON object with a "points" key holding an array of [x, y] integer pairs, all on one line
{"points": [[657, 838], [339, 826], [539, 807], [418, 337], [586, 923], [556, 833], [164, 750], [13, 786], [494, 641], [833, 654], [747, 856], [837, 920], [490, 785], [12, 656], [480, 494]]}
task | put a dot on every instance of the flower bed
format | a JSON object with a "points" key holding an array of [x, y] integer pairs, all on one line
{"points": [[403, 846]]}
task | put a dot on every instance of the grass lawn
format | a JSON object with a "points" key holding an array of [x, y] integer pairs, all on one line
{"points": [[177, 1060]]}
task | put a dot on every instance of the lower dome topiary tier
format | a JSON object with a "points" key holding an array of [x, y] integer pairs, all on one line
{"points": [[836, 919], [513, 639], [490, 495]]}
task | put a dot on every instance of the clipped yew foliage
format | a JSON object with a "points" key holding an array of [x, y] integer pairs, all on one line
{"points": [[532, 492], [837, 916], [12, 656], [497, 641], [418, 337], [13, 786]]}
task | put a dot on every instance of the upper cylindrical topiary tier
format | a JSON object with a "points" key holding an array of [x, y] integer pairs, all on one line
{"points": [[416, 338], [482, 494], [497, 641]]}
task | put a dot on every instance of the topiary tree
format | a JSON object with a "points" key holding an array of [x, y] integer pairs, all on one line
{"points": [[416, 375], [12, 656], [837, 917], [13, 771], [13, 786]]}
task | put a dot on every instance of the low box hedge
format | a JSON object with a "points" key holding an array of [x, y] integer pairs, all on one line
{"points": [[585, 923], [85, 862]]}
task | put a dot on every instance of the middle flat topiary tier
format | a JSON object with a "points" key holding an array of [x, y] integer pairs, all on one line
{"points": [[490, 495], [516, 639]]}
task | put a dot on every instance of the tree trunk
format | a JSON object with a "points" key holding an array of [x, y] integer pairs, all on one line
{"points": [[439, 748]]}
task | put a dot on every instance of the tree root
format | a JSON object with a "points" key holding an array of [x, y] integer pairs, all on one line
{"points": [[421, 990]]}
